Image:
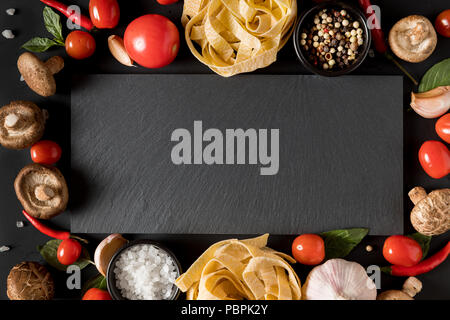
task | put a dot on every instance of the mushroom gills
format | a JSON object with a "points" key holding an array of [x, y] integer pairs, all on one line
{"points": [[22, 124], [42, 191]]}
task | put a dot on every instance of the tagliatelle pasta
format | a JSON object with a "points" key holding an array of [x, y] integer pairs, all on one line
{"points": [[236, 270], [236, 36]]}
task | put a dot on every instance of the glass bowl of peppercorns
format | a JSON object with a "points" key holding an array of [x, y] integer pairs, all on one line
{"points": [[332, 39]]}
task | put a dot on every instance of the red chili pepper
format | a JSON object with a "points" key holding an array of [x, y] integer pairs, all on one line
{"points": [[377, 33], [378, 37], [81, 20], [61, 235], [422, 267]]}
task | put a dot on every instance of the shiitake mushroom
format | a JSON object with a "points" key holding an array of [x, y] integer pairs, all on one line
{"points": [[42, 190], [30, 281], [22, 124], [38, 75], [413, 38]]}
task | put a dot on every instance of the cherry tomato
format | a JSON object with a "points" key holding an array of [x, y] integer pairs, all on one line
{"points": [[434, 157], [152, 41], [442, 23], [105, 14], [69, 251], [165, 2], [80, 44], [308, 249], [96, 294], [45, 152], [443, 127], [402, 251]]}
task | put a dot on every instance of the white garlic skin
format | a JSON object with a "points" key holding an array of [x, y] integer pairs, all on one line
{"points": [[338, 279]]}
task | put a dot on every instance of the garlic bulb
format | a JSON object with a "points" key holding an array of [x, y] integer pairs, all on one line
{"points": [[338, 279]]}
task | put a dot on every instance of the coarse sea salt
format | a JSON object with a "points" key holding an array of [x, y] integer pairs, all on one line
{"points": [[145, 272]]}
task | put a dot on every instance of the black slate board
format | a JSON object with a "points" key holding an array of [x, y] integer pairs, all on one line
{"points": [[341, 154]]}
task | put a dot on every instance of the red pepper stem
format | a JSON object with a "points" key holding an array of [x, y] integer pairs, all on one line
{"points": [[390, 57]]}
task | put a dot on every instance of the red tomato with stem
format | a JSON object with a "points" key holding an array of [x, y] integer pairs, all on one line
{"points": [[45, 152], [443, 127], [308, 249], [80, 44], [69, 250], [402, 251], [97, 294], [434, 157], [165, 2], [152, 41], [105, 14], [442, 23]]}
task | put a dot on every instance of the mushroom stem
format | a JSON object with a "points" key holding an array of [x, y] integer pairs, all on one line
{"points": [[54, 64], [417, 194], [11, 120], [412, 286], [44, 193]]}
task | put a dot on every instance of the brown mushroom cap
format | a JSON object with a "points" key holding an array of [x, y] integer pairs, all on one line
{"points": [[30, 281], [39, 75], [394, 295], [42, 191], [413, 38], [431, 215], [22, 124]]}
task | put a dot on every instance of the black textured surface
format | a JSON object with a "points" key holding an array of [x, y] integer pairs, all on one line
{"points": [[340, 155], [28, 23]]}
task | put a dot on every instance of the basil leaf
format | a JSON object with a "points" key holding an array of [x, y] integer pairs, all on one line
{"points": [[53, 23], [438, 75], [39, 44], [99, 281], [49, 252], [424, 242], [339, 243]]}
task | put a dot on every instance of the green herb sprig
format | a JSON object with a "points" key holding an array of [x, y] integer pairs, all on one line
{"points": [[53, 25]]}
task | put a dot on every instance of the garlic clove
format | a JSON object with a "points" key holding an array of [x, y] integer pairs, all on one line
{"points": [[106, 250], [338, 279], [117, 49], [433, 103]]}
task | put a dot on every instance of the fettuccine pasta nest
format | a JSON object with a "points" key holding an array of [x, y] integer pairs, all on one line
{"points": [[236, 36], [237, 270]]}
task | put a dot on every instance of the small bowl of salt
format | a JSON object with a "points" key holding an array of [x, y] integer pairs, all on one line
{"points": [[143, 270]]}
